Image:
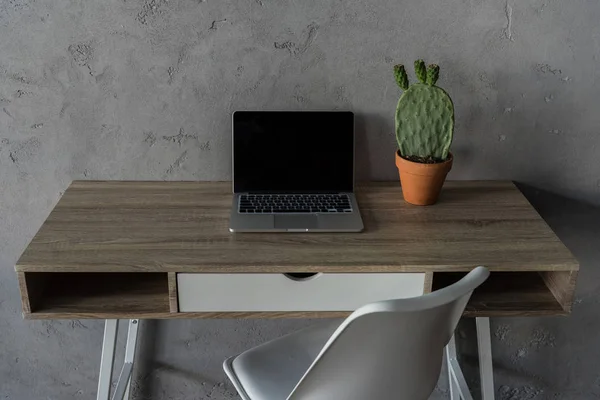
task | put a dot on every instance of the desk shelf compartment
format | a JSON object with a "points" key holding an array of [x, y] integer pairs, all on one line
{"points": [[73, 295], [517, 293]]}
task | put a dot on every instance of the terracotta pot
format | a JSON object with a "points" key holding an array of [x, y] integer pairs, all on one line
{"points": [[422, 183]]}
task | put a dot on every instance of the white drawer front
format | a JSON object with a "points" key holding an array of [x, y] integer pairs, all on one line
{"points": [[276, 292]]}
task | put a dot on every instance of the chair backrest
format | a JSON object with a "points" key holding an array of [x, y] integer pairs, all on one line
{"points": [[390, 349]]}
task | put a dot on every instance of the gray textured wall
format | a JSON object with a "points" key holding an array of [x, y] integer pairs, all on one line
{"points": [[143, 89]]}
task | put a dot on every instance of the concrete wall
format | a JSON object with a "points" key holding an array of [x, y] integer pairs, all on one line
{"points": [[143, 89]]}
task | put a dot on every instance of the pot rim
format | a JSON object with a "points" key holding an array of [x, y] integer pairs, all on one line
{"points": [[449, 159], [417, 168]]}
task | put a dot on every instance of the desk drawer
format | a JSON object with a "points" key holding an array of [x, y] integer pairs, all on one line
{"points": [[277, 292]]}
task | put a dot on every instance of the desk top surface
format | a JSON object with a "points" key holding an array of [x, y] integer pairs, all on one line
{"points": [[183, 227]]}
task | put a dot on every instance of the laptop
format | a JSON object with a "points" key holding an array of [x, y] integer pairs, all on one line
{"points": [[293, 171]]}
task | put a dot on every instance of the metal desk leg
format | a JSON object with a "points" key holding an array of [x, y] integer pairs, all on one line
{"points": [[124, 382], [456, 380], [107, 359], [108, 355], [484, 345]]}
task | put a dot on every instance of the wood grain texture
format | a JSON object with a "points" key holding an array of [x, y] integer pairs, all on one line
{"points": [[183, 227], [506, 294], [98, 294], [173, 296], [33, 288], [562, 286], [112, 249], [427, 285], [25, 298], [187, 315], [24, 292]]}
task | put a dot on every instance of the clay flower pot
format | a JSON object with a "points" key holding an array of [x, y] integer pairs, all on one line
{"points": [[422, 183]]}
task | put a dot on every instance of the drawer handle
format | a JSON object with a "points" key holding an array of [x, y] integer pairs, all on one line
{"points": [[302, 276]]}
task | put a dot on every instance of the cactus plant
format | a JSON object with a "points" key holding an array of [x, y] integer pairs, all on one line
{"points": [[424, 116]]}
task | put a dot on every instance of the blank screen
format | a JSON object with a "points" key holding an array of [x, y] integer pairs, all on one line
{"points": [[293, 151]]}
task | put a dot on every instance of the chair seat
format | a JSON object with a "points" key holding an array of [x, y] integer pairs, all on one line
{"points": [[387, 350], [272, 370]]}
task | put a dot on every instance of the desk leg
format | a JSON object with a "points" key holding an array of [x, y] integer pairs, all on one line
{"points": [[456, 380], [484, 345], [124, 382], [108, 357]]}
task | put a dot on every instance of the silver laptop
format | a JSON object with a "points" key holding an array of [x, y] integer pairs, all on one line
{"points": [[293, 171]]}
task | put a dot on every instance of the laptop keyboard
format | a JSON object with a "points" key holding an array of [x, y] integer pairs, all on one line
{"points": [[294, 203]]}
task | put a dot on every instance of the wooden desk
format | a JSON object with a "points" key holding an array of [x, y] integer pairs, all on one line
{"points": [[114, 249]]}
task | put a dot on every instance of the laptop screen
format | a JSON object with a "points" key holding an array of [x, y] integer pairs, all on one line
{"points": [[293, 151]]}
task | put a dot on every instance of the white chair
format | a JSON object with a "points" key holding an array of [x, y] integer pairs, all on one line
{"points": [[385, 350]]}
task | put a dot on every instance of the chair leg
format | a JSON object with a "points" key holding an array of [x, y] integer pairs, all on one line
{"points": [[458, 385], [454, 391], [484, 345]]}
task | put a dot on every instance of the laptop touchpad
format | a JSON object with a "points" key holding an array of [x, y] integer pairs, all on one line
{"points": [[296, 222]]}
